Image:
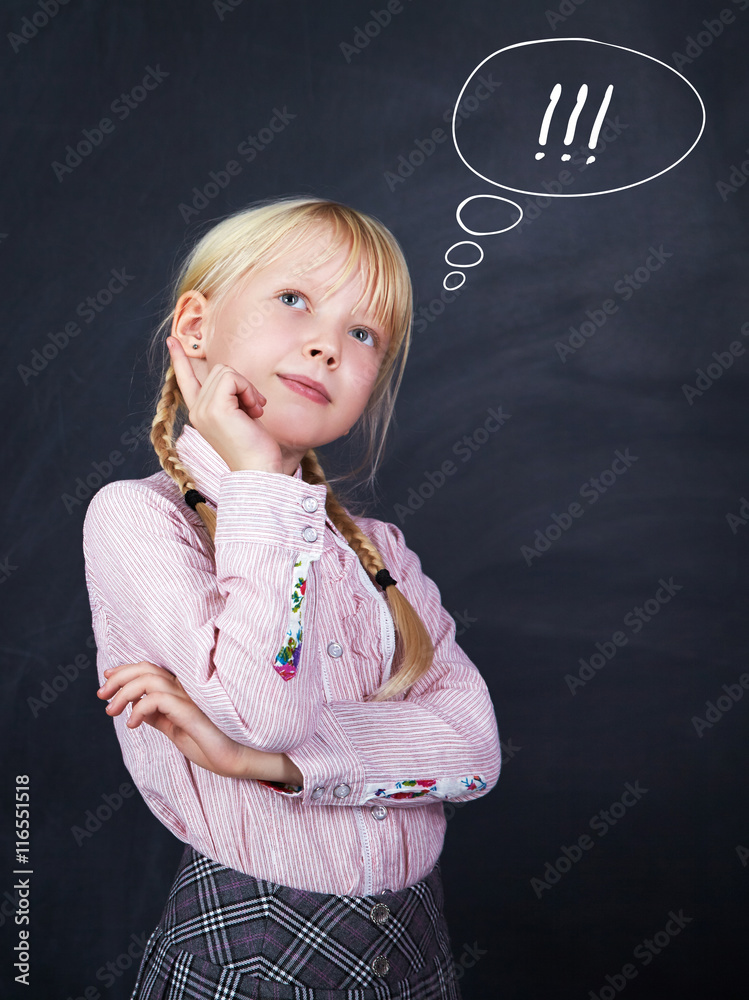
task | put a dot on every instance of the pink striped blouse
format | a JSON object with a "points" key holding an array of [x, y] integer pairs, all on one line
{"points": [[279, 635]]}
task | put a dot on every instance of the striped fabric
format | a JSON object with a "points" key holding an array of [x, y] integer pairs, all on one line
{"points": [[224, 934], [369, 815]]}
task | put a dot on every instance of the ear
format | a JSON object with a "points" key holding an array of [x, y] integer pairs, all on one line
{"points": [[189, 323]]}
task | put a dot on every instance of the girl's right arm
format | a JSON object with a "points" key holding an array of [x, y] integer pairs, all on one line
{"points": [[223, 623], [231, 632]]}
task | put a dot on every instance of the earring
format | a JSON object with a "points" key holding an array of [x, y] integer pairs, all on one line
{"points": [[194, 347]]}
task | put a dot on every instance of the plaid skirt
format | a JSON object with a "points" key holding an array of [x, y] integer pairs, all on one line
{"points": [[225, 935]]}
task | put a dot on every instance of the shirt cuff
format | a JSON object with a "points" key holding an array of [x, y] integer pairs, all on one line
{"points": [[332, 771], [418, 788], [268, 508], [334, 774]]}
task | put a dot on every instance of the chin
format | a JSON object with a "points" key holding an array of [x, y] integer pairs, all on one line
{"points": [[279, 430]]}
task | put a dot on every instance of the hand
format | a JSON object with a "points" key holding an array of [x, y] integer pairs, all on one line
{"points": [[224, 409], [160, 700]]}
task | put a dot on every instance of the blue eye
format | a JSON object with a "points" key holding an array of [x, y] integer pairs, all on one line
{"points": [[360, 329], [295, 297]]}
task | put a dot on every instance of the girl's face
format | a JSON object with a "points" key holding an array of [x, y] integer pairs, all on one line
{"points": [[315, 360]]}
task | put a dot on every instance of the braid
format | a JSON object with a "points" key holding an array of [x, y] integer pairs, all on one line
{"points": [[162, 430], [416, 649], [368, 555]]}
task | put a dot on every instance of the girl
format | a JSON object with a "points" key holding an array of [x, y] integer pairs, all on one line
{"points": [[308, 708]]}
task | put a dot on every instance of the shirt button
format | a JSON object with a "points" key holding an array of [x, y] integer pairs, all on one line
{"points": [[309, 534], [380, 966], [335, 649], [379, 914], [310, 504], [317, 791], [379, 812], [341, 791]]}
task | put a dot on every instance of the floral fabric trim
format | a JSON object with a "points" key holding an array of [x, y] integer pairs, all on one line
{"points": [[281, 786], [439, 788], [287, 658]]}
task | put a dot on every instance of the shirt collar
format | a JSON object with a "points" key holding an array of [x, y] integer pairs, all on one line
{"points": [[204, 463]]}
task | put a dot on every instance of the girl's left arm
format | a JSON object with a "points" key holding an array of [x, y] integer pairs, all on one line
{"points": [[440, 742]]}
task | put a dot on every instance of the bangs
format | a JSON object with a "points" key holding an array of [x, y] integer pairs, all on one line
{"points": [[381, 294]]}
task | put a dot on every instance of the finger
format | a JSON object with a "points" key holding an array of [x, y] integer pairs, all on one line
{"points": [[124, 670], [191, 732], [183, 724], [115, 677], [161, 709], [135, 689], [253, 401], [248, 395], [141, 684], [178, 719], [118, 670], [259, 397], [187, 380], [233, 389]]}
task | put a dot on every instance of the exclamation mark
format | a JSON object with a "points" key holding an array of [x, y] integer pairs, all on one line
{"points": [[546, 123], [582, 96], [595, 132]]}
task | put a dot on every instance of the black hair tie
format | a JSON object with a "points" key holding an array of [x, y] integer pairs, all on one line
{"points": [[384, 578], [192, 497]]}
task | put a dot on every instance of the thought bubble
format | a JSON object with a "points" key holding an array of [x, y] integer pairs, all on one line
{"points": [[554, 107], [554, 98]]}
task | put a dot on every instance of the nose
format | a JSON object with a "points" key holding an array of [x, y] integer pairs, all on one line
{"points": [[324, 346]]}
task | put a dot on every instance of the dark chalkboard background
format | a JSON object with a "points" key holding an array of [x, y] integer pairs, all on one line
{"points": [[673, 511]]}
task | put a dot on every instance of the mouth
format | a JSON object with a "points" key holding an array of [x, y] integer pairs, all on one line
{"points": [[307, 387]]}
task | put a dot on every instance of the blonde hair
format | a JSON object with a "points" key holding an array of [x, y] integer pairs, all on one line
{"points": [[231, 251]]}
